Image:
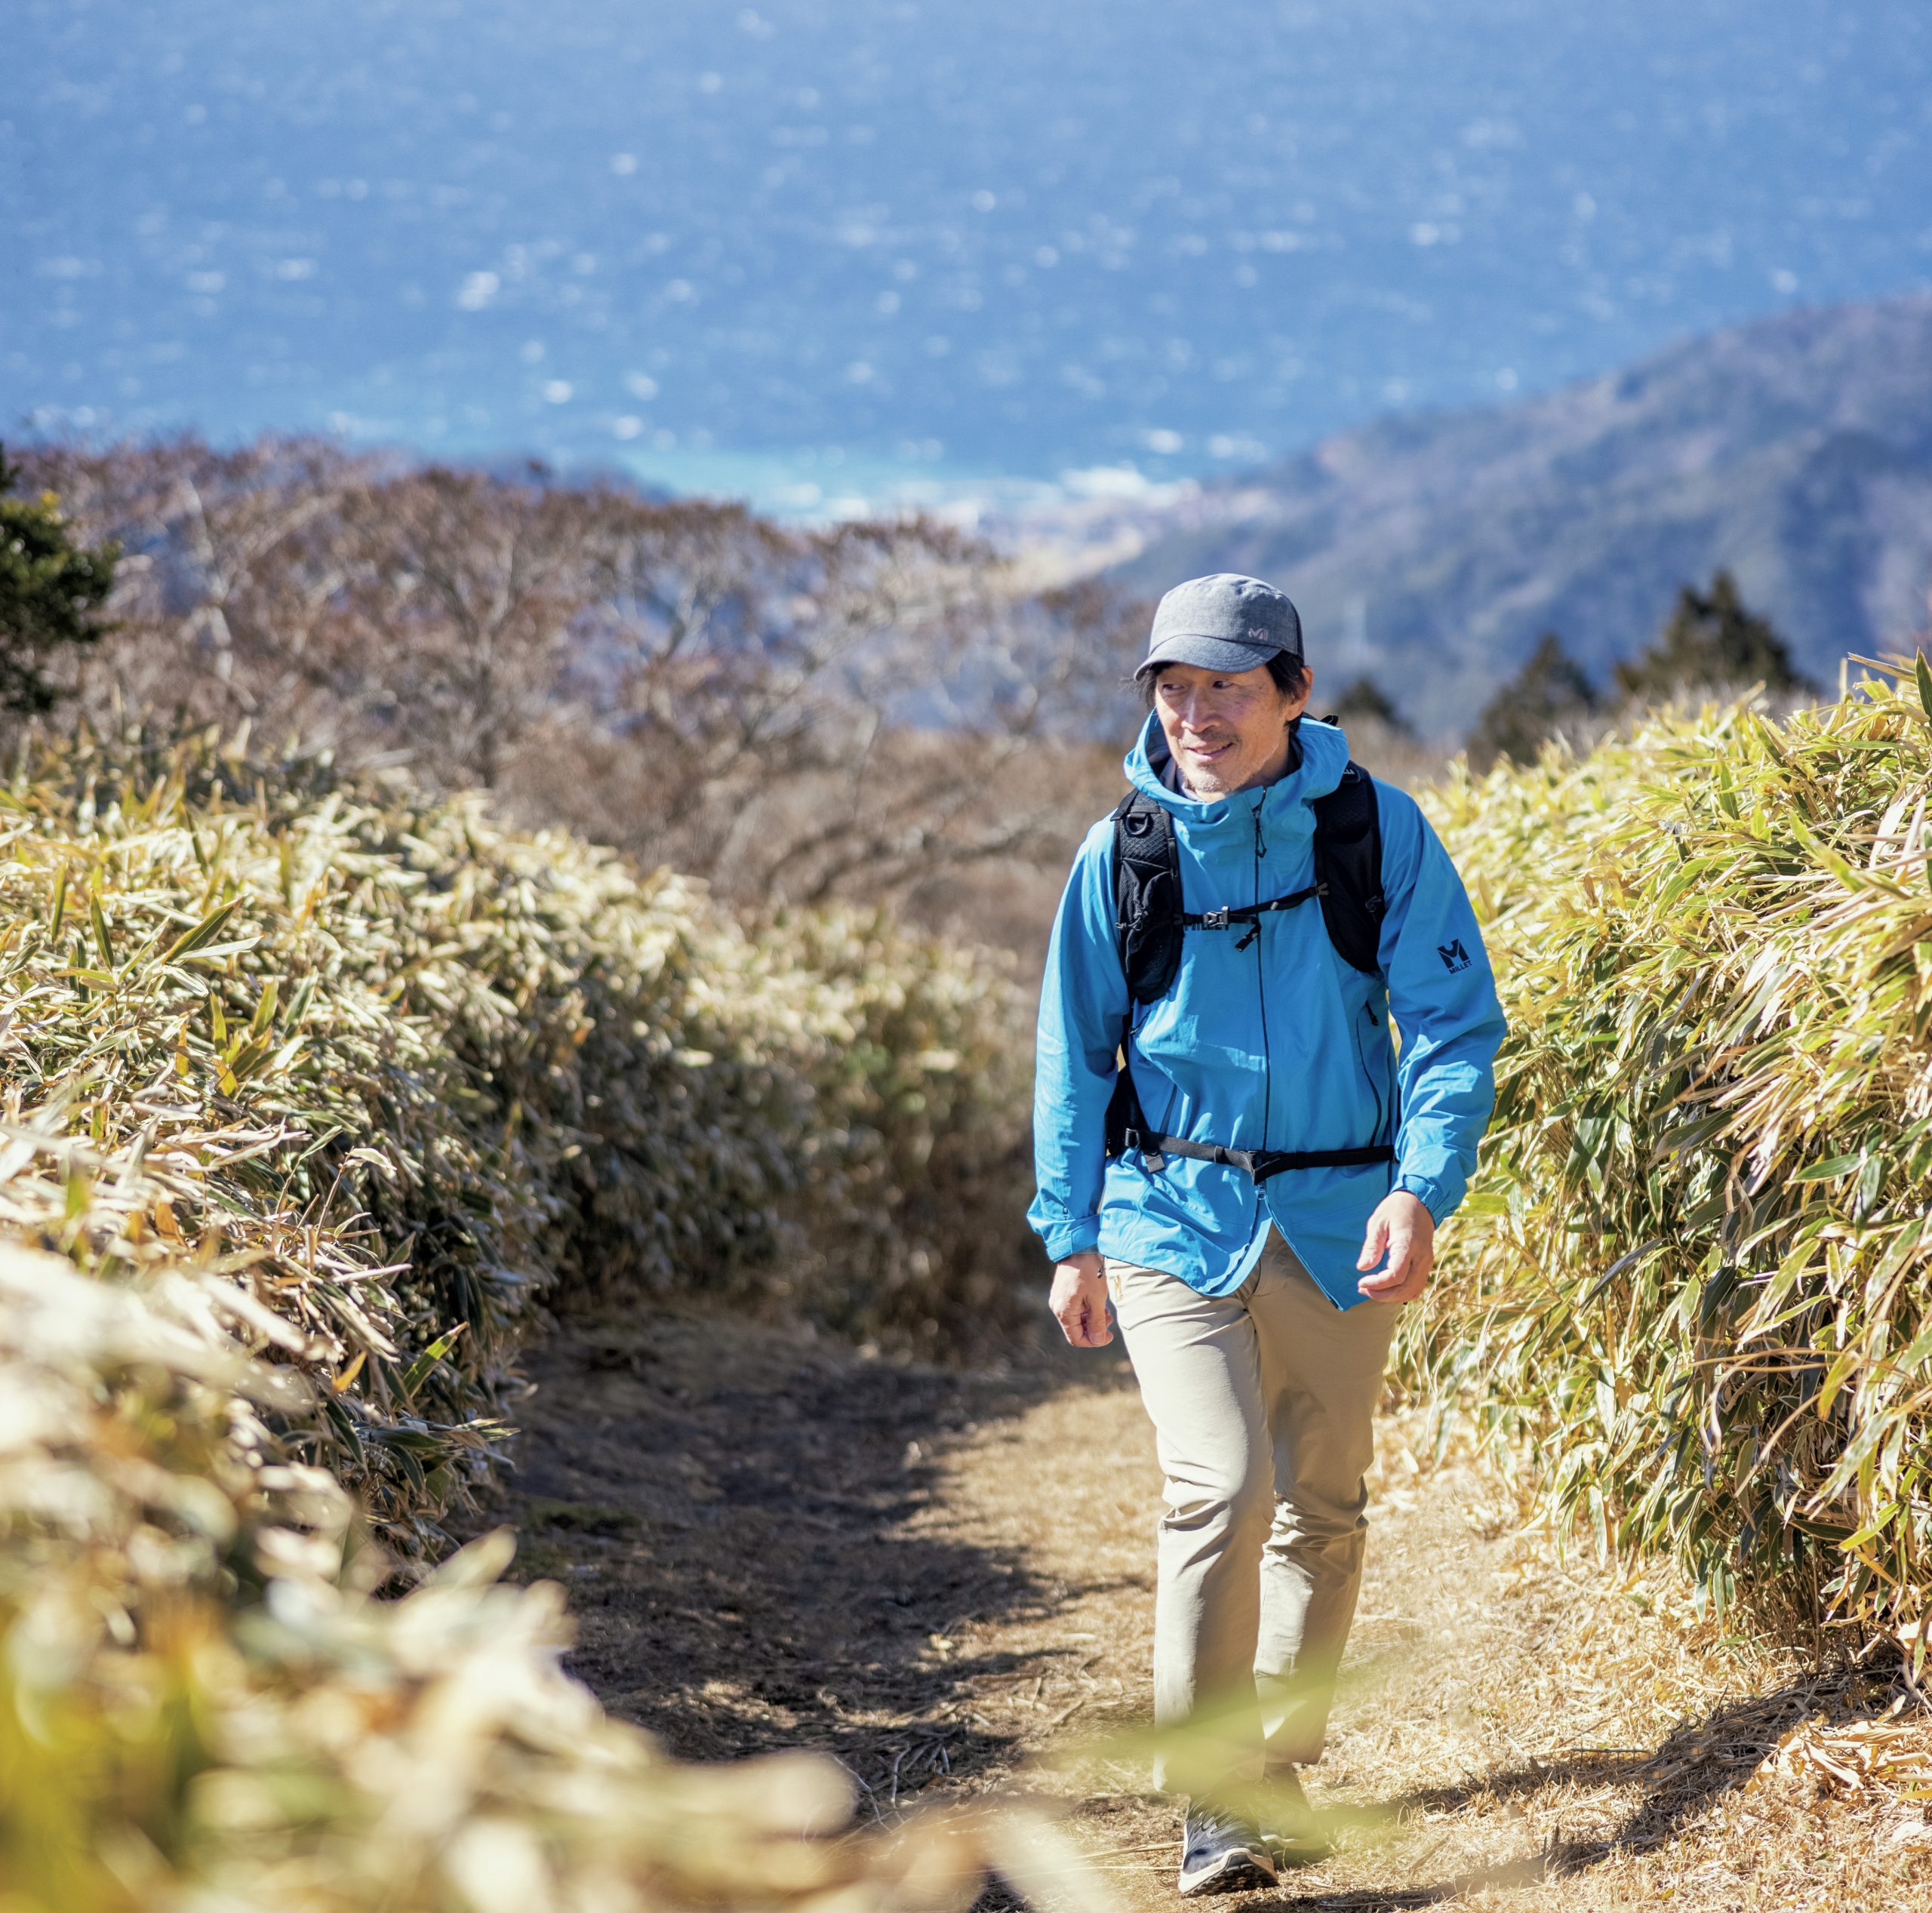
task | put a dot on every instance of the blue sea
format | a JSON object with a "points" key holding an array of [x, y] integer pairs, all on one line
{"points": [[829, 253]]}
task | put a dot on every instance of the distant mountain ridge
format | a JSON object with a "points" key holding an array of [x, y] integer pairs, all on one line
{"points": [[1430, 552]]}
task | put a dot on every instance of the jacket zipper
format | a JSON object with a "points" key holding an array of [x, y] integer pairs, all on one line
{"points": [[1261, 992], [1361, 1056]]}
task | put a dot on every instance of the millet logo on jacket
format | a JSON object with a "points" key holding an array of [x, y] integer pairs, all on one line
{"points": [[1454, 957]]}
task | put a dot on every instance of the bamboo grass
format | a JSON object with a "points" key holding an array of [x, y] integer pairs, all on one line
{"points": [[202, 1710], [1694, 1286], [316, 1092], [397, 1072]]}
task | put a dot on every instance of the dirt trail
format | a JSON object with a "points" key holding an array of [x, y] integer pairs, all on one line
{"points": [[770, 1541]]}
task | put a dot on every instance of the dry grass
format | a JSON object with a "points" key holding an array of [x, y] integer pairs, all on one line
{"points": [[1516, 1726], [946, 1580]]}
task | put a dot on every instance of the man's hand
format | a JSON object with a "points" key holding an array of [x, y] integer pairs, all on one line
{"points": [[1402, 1227], [1079, 1300]]}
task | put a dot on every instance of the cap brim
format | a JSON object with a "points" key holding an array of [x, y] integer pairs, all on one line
{"points": [[1226, 654]]}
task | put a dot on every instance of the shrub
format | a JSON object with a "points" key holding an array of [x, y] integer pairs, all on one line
{"points": [[1696, 1281], [316, 1088], [50, 593]]}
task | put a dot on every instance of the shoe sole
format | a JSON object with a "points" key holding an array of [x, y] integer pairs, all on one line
{"points": [[1227, 1872]]}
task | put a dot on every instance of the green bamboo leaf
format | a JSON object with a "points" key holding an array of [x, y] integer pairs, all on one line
{"points": [[265, 1009], [1925, 676], [406, 1443], [249, 1053], [209, 927], [1834, 1534], [1873, 1528], [1835, 1378], [1918, 1350], [1829, 1170], [1616, 1269], [418, 1371], [102, 941]]}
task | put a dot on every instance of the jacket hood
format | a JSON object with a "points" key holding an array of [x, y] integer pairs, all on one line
{"points": [[1324, 757]]}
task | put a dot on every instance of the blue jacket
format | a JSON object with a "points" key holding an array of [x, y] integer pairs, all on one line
{"points": [[1281, 1045]]}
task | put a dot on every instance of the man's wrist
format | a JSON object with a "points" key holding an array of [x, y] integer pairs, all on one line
{"points": [[1424, 1193]]}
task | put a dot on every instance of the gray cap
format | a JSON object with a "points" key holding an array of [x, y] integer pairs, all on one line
{"points": [[1224, 623]]}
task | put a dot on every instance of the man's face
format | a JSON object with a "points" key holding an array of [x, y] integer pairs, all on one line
{"points": [[1227, 730]]}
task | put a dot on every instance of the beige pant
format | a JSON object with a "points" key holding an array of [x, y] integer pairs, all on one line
{"points": [[1263, 1404]]}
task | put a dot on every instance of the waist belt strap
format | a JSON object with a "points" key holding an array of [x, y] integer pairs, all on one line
{"points": [[1259, 1164]]}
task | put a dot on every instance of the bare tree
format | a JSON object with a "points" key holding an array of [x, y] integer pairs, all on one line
{"points": [[451, 623], [693, 604], [864, 711], [232, 558], [802, 716]]}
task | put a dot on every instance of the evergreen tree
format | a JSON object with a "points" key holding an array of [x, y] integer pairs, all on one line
{"points": [[1365, 698], [1550, 691], [1712, 642], [50, 592]]}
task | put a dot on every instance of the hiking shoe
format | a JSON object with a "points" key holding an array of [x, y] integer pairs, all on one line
{"points": [[1220, 1853], [1289, 1825]]}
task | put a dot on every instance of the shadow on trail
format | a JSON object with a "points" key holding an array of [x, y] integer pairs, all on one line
{"points": [[727, 1505], [1682, 1781]]}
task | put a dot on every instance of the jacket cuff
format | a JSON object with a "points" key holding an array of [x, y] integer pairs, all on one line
{"points": [[1069, 1238], [1441, 1203]]}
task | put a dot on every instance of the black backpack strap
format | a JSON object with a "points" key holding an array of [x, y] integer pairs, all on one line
{"points": [[1148, 928], [1147, 898], [1126, 1122], [1248, 915], [1348, 868]]}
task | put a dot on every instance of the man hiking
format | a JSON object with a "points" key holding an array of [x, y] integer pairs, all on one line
{"points": [[1229, 1154]]}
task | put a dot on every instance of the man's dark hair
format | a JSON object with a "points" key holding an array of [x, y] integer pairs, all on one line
{"points": [[1288, 673]]}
